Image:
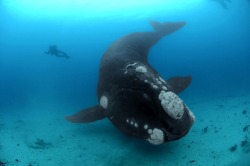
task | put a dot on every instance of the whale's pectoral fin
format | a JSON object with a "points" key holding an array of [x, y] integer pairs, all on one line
{"points": [[178, 84], [87, 115]]}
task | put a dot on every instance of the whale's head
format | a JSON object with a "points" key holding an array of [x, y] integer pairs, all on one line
{"points": [[142, 104]]}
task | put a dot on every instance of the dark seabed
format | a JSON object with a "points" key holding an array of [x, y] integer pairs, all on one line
{"points": [[38, 90]]}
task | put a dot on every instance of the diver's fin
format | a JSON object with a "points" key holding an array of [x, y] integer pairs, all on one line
{"points": [[87, 115], [178, 84], [166, 27]]}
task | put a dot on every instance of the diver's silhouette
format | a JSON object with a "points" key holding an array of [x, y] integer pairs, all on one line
{"points": [[54, 51], [223, 3]]}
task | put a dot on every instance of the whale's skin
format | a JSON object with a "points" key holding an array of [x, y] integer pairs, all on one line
{"points": [[133, 95]]}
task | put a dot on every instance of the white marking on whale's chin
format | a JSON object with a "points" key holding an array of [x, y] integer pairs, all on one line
{"points": [[104, 102], [172, 104], [156, 137], [141, 69], [150, 131]]}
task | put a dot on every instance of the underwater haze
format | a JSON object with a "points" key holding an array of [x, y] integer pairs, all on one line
{"points": [[37, 89]]}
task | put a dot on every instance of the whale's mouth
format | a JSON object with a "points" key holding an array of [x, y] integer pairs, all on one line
{"points": [[136, 113], [178, 128], [175, 118], [166, 129]]}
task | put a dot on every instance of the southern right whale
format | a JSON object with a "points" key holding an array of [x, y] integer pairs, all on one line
{"points": [[133, 95]]}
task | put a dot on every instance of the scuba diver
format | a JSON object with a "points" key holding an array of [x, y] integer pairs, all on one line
{"points": [[54, 51]]}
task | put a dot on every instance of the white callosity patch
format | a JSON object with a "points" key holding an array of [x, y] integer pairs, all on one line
{"points": [[145, 126], [158, 81], [191, 114], [162, 83], [132, 123], [164, 88], [172, 104], [129, 65], [154, 86], [136, 67], [150, 131], [156, 137], [162, 80], [141, 69], [104, 102]]}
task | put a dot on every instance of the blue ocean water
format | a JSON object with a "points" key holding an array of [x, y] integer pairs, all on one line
{"points": [[213, 48]]}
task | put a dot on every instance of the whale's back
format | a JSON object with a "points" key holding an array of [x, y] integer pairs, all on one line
{"points": [[131, 48]]}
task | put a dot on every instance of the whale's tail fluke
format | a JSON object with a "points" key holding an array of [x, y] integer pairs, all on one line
{"points": [[166, 27]]}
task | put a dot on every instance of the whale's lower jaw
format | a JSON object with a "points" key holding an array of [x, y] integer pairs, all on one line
{"points": [[138, 114]]}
